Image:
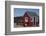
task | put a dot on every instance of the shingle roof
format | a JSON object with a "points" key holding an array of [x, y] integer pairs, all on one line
{"points": [[32, 13]]}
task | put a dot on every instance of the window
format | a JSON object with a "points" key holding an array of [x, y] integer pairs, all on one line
{"points": [[26, 19]]}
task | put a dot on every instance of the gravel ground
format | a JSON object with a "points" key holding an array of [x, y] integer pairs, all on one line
{"points": [[21, 25]]}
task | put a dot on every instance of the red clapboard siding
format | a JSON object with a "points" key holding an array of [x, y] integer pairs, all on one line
{"points": [[29, 23]]}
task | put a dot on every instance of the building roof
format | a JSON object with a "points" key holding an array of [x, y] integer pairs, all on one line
{"points": [[31, 13]]}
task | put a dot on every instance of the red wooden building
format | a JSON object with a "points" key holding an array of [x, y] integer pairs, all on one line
{"points": [[27, 19]]}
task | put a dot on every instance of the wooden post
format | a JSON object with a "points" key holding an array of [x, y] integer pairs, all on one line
{"points": [[34, 21]]}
